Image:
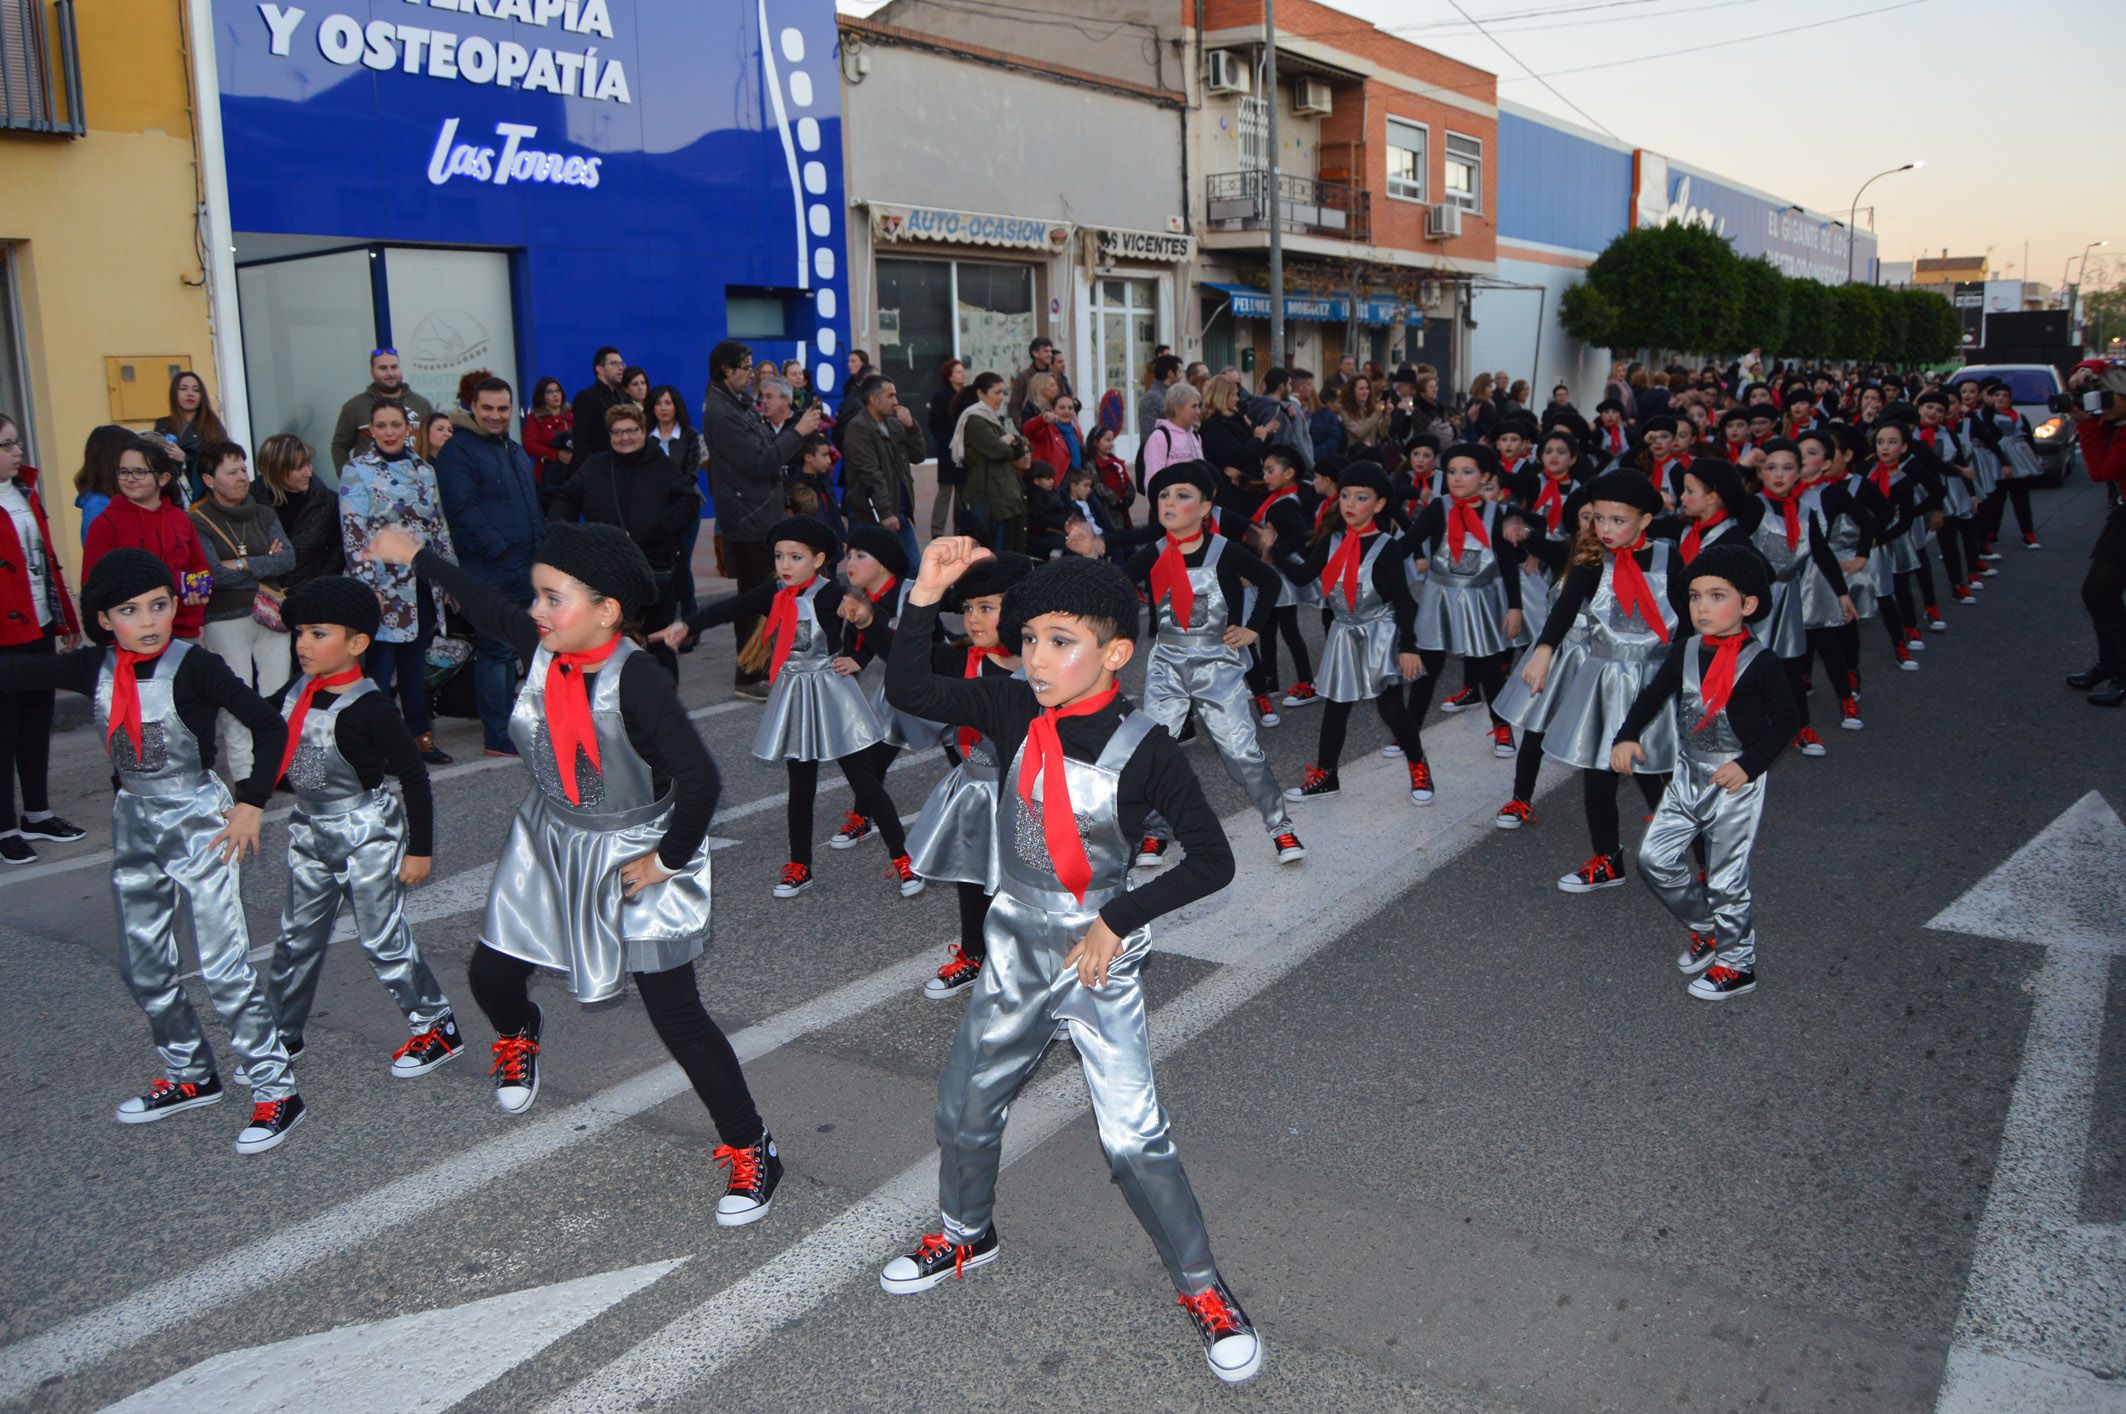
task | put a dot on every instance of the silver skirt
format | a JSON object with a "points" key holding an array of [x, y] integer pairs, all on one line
{"points": [[1903, 552], [814, 714], [1357, 660], [1535, 711], [898, 728], [1464, 619], [1535, 609], [556, 899], [1785, 629], [954, 838], [1819, 602], [1592, 707], [2018, 457], [1987, 463], [1956, 499]]}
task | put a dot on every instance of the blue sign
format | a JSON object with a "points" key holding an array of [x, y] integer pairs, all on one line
{"points": [[1330, 309], [1797, 241], [638, 159]]}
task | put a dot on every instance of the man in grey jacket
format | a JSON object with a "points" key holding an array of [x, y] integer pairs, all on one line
{"points": [[351, 433], [746, 461], [880, 452]]}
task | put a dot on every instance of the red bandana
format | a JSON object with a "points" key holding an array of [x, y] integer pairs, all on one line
{"points": [[1790, 508], [1718, 683], [1926, 435], [568, 712], [1616, 438], [1059, 825], [1464, 519], [1881, 476], [1321, 512], [1694, 538], [1170, 582], [125, 697], [302, 710], [968, 735], [782, 624], [1551, 500], [1634, 593], [856, 640], [1343, 564], [1264, 509]]}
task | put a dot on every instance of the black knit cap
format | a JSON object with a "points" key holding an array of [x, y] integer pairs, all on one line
{"points": [[882, 545], [1659, 422], [1741, 566], [1368, 475], [1627, 488], [1487, 461], [121, 575], [805, 530], [1741, 415], [603, 559], [333, 599], [1096, 591], [1932, 395], [1199, 474]]}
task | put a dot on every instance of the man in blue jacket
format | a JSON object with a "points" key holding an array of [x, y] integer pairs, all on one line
{"points": [[491, 499]]}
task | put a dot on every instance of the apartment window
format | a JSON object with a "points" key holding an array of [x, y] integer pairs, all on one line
{"points": [[1465, 172], [1406, 160]]}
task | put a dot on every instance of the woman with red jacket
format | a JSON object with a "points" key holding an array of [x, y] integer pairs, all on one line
{"points": [[549, 436], [35, 613], [142, 518]]}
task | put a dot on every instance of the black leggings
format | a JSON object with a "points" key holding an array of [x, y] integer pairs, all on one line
{"points": [[974, 911], [25, 739], [1527, 762], [1848, 636], [502, 986], [1827, 645], [1603, 826], [1901, 597], [871, 802], [1487, 675], [1283, 623], [1336, 721], [1959, 550], [2016, 492], [2104, 596]]}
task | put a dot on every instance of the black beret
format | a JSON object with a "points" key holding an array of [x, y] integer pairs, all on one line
{"points": [[1522, 423], [124, 574], [1199, 474], [1329, 463], [333, 599], [1627, 488], [1723, 479], [1487, 461], [1780, 444], [1096, 591], [1424, 439], [1741, 566], [1660, 422], [1368, 475], [1900, 412], [1932, 395], [995, 575], [805, 530], [1609, 405], [882, 545], [604, 560], [1741, 415]]}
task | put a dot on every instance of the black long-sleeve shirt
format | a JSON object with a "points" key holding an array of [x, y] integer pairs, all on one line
{"points": [[374, 739], [203, 687], [657, 723], [1391, 580], [1156, 776], [755, 603], [1429, 531], [1581, 582], [1761, 709], [1237, 568]]}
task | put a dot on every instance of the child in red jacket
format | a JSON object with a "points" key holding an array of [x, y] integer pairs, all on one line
{"points": [[143, 517], [36, 615]]}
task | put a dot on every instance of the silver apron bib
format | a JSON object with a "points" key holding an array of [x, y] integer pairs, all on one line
{"points": [[556, 900], [1785, 629], [1358, 650], [1957, 503], [1026, 997], [1461, 608], [1623, 654], [2018, 457], [1691, 807], [168, 808], [953, 839], [1844, 534], [898, 728], [347, 841], [1287, 592], [814, 713]]}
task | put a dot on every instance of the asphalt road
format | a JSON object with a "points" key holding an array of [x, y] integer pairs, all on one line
{"points": [[1462, 1140]]}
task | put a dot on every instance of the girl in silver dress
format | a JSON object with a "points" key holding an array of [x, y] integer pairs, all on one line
{"points": [[1807, 592], [1470, 602], [876, 567]]}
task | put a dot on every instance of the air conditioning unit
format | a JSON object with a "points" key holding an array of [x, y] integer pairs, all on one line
{"points": [[1228, 73], [1443, 222], [1310, 96]]}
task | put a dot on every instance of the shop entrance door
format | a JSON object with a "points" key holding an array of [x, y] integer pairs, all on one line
{"points": [[450, 314], [1125, 331]]}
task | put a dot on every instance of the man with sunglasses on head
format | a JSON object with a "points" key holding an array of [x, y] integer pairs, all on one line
{"points": [[386, 382]]}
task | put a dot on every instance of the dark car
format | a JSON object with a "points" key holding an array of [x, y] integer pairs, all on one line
{"points": [[2031, 387]]}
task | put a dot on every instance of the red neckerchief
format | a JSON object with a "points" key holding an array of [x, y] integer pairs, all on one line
{"points": [[302, 710], [1551, 500], [1926, 435], [1464, 519], [1170, 581], [782, 623], [1043, 764], [968, 735], [1694, 538], [1616, 438], [1736, 449], [1881, 476], [1344, 562], [1717, 684], [1264, 509], [125, 696], [856, 640], [1789, 507], [568, 711], [1321, 512], [1634, 593]]}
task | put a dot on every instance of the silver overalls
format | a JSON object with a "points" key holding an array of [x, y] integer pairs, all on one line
{"points": [[344, 841], [1785, 629], [168, 807], [1692, 806], [1194, 665], [1025, 997], [898, 728], [1844, 534], [1623, 655], [1358, 652], [556, 900], [813, 713], [953, 839], [1461, 607]]}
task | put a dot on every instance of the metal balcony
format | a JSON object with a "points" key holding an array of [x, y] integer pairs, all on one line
{"points": [[1240, 201]]}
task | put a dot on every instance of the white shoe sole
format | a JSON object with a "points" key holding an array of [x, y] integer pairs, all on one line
{"points": [[1851, 724], [741, 1219], [840, 843], [1295, 794], [1937, 626], [1390, 752], [260, 1146], [31, 832], [150, 1116], [1291, 856], [1507, 822], [402, 1071], [1704, 996], [1450, 707], [932, 993], [1300, 701], [1908, 666], [1147, 861], [1813, 750], [1691, 969], [1504, 752], [19, 862], [792, 891], [529, 1100], [1270, 719], [910, 1288], [1236, 1374], [1421, 797], [1571, 884], [912, 888]]}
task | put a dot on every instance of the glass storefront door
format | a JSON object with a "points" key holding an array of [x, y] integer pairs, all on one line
{"points": [[308, 326], [451, 314], [1125, 331], [931, 310]]}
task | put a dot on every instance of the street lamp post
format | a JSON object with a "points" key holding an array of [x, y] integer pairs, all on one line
{"points": [[2074, 301], [1855, 211]]}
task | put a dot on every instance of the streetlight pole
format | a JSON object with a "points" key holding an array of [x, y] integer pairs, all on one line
{"points": [[1855, 211], [1269, 84], [2074, 301]]}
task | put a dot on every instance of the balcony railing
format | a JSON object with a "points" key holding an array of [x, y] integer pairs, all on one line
{"points": [[1240, 201], [37, 94]]}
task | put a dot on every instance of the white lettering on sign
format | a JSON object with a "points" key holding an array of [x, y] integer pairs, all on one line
{"points": [[513, 161], [384, 45]]}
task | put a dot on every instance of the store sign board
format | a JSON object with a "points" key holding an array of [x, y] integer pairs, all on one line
{"points": [[1328, 309], [1798, 242], [1146, 245], [937, 223]]}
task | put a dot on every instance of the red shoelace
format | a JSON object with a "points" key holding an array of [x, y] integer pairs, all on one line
{"points": [[744, 1165], [935, 1245], [956, 964], [1287, 841], [855, 825], [1597, 868], [1421, 776], [794, 873], [1210, 1311], [1314, 776], [511, 1052], [1521, 810], [416, 1042], [267, 1112], [1502, 734], [1719, 973], [903, 869]]}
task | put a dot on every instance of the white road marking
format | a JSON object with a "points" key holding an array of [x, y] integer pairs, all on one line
{"points": [[2043, 1321], [426, 1361], [1293, 913]]}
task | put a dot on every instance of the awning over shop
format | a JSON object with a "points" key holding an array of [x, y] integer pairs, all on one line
{"points": [[937, 223], [1250, 303]]}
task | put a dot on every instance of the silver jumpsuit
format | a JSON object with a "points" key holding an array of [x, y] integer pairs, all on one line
{"points": [[344, 841], [1359, 650], [1692, 806], [168, 808], [556, 900], [1956, 500], [1623, 655], [814, 713], [1026, 997]]}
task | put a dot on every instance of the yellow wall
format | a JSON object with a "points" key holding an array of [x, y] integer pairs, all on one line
{"points": [[102, 231]]}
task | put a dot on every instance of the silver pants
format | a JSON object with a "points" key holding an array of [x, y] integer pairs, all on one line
{"points": [[356, 855], [1023, 995], [159, 860], [1219, 688], [1720, 907]]}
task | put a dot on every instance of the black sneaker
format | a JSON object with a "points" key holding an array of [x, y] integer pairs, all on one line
{"points": [[935, 1258], [270, 1122], [1697, 955], [751, 689], [1460, 702], [16, 850], [2096, 675], [164, 1099], [1603, 871], [1719, 983], [958, 973], [854, 831], [1315, 784], [425, 1050], [1230, 1346], [52, 828], [516, 1067], [1150, 850], [755, 1172]]}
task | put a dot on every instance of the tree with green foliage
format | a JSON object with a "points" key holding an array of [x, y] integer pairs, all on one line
{"points": [[1810, 311], [1762, 308], [1855, 329], [1660, 287]]}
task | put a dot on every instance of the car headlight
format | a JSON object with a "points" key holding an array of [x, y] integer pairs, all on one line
{"points": [[2050, 429]]}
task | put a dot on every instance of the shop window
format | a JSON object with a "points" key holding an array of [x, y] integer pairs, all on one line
{"points": [[1125, 331], [996, 315], [1465, 172], [931, 310], [754, 312], [1406, 160]]}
